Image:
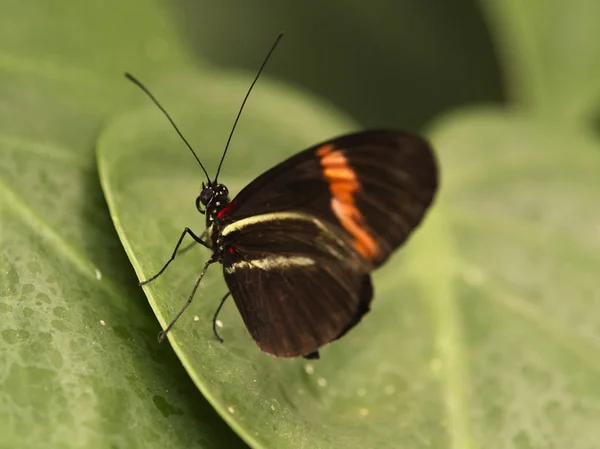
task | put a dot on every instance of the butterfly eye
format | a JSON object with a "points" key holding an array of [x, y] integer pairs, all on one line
{"points": [[199, 205], [206, 195]]}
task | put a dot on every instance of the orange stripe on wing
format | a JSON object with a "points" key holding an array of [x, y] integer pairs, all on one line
{"points": [[324, 150], [340, 173], [343, 185]]}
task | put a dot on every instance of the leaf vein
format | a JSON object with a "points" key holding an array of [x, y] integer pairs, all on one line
{"points": [[39, 226], [576, 346], [41, 149]]}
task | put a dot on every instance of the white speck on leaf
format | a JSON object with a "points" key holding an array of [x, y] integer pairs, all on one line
{"points": [[219, 323], [309, 368], [98, 274], [103, 322], [436, 365], [231, 410], [322, 382], [474, 276]]}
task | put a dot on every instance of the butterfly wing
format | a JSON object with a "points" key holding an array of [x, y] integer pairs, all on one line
{"points": [[373, 186], [297, 283]]}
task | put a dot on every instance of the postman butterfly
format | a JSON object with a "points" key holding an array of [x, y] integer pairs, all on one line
{"points": [[298, 244]]}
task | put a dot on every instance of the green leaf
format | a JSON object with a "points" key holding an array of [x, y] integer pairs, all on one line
{"points": [[550, 50], [483, 331], [80, 363], [521, 199]]}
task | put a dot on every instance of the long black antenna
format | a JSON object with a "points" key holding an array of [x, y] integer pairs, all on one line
{"points": [[244, 102], [138, 83]]}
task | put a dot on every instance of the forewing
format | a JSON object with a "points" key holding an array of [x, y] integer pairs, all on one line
{"points": [[373, 186], [296, 283]]}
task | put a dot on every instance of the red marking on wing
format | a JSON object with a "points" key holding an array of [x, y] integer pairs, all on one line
{"points": [[223, 211], [231, 250], [343, 186]]}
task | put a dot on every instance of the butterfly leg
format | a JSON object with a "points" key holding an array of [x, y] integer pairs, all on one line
{"points": [[185, 231], [190, 246], [214, 321], [163, 334]]}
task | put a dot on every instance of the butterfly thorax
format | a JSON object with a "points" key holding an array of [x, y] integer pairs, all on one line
{"points": [[212, 201], [214, 235]]}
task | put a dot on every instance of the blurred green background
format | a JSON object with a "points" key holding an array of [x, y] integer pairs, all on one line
{"points": [[387, 63], [485, 331]]}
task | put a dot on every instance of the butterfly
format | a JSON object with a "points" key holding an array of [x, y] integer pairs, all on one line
{"points": [[298, 243]]}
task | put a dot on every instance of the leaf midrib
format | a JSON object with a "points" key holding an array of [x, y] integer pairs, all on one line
{"points": [[449, 342]]}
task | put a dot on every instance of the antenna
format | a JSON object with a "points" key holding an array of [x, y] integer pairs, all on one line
{"points": [[244, 102], [145, 89]]}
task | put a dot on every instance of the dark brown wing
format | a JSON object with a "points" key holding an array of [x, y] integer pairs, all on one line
{"points": [[297, 284], [374, 186]]}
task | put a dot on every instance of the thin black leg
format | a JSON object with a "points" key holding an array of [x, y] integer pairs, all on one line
{"points": [[163, 334], [185, 231], [191, 245], [217, 314]]}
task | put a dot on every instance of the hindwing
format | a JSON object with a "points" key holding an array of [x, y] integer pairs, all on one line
{"points": [[297, 283]]}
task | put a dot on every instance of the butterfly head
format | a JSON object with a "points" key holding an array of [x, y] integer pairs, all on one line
{"points": [[212, 196]]}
